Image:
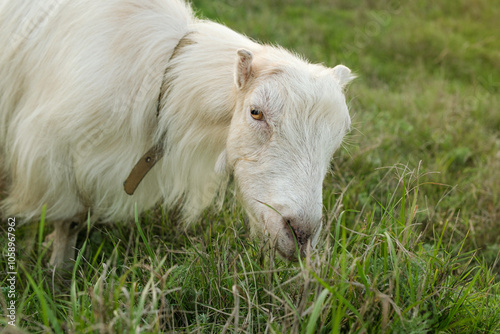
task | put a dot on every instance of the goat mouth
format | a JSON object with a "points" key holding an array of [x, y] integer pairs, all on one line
{"points": [[288, 257], [288, 226], [287, 232], [275, 244], [297, 250]]}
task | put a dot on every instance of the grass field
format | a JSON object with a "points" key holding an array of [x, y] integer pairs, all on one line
{"points": [[412, 209]]}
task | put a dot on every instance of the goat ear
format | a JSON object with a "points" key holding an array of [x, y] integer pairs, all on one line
{"points": [[343, 75], [221, 164], [243, 68]]}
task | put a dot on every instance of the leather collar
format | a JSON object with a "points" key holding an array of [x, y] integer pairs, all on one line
{"points": [[155, 153]]}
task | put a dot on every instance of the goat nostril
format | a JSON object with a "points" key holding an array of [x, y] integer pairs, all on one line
{"points": [[297, 232]]}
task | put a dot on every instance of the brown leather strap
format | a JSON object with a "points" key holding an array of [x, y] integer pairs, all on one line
{"points": [[141, 168], [155, 153]]}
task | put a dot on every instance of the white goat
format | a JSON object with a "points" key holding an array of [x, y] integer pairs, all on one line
{"points": [[94, 93]]}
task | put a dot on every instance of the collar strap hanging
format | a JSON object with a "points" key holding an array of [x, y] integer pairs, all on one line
{"points": [[141, 168], [155, 153], [148, 160]]}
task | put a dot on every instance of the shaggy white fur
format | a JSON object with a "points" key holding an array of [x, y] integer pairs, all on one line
{"points": [[79, 88]]}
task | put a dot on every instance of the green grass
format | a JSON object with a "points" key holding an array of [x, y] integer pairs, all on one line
{"points": [[412, 209]]}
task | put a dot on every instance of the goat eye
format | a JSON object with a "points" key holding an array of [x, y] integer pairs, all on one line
{"points": [[257, 114]]}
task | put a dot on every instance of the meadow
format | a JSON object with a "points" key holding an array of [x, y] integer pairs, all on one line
{"points": [[411, 208]]}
